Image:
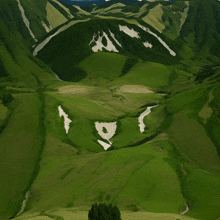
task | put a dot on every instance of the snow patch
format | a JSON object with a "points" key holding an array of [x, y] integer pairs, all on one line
{"points": [[46, 27], [113, 36], [24, 203], [110, 131], [110, 46], [57, 76], [67, 121], [161, 41], [187, 209], [26, 21], [105, 145], [131, 32], [42, 44], [141, 118], [148, 45]]}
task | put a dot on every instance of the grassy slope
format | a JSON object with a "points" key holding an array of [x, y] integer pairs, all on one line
{"points": [[98, 105], [79, 178], [194, 142], [69, 214], [102, 66], [203, 189], [150, 74], [21, 139], [20, 146], [115, 176], [3, 112]]}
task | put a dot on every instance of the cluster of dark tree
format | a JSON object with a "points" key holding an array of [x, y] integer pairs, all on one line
{"points": [[6, 98], [3, 71], [103, 211], [206, 72], [129, 63]]}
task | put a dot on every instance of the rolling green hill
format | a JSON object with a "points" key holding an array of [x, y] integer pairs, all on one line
{"points": [[76, 89]]}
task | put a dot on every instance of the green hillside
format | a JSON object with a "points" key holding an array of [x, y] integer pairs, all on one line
{"points": [[76, 124]]}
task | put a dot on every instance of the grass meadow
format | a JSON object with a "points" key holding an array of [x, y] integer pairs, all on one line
{"points": [[20, 147]]}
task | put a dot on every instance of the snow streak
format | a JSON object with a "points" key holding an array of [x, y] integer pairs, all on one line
{"points": [[161, 41], [26, 21]]}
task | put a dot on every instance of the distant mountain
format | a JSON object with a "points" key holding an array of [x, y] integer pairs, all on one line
{"points": [[83, 3]]}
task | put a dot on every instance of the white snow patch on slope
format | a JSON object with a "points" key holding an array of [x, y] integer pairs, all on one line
{"points": [[187, 209], [141, 118], [46, 41], [113, 36], [57, 76], [130, 32], [66, 9], [46, 27], [110, 46], [146, 44], [105, 145], [110, 128], [26, 21], [42, 44], [67, 121], [24, 203], [161, 41]]}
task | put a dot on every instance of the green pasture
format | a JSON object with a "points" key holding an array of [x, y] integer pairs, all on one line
{"points": [[97, 104], [71, 213], [192, 141], [29, 71], [192, 100], [102, 67], [20, 146], [152, 75], [129, 134], [138, 175], [203, 189], [3, 112]]}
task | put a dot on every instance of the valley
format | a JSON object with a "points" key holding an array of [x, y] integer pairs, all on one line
{"points": [[114, 103]]}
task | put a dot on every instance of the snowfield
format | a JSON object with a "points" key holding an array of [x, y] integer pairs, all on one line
{"points": [[187, 209], [113, 36], [141, 118], [148, 45], [67, 121], [99, 45], [23, 203], [46, 27], [110, 128], [161, 41], [26, 21], [105, 145], [130, 32]]}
